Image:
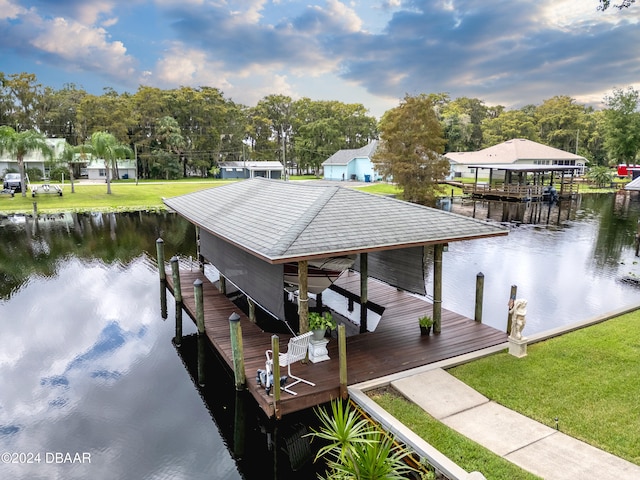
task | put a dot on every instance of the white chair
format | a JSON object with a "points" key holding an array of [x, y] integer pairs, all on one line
{"points": [[296, 351]]}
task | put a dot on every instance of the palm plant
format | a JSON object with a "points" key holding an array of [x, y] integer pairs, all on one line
{"points": [[18, 144], [104, 145], [357, 449]]}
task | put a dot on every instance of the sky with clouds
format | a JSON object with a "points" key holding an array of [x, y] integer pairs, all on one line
{"points": [[373, 52]]}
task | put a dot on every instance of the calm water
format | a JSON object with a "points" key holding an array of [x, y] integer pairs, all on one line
{"points": [[88, 371], [87, 366]]}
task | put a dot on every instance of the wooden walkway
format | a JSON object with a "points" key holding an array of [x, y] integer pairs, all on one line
{"points": [[395, 345]]}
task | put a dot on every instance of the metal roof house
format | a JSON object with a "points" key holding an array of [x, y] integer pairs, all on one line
{"points": [[248, 230], [34, 159], [251, 169], [352, 164], [512, 152]]}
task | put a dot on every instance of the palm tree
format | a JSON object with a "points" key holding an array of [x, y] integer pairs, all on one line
{"points": [[18, 144], [104, 145]]}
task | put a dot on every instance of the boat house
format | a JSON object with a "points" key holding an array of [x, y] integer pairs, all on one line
{"points": [[250, 230]]}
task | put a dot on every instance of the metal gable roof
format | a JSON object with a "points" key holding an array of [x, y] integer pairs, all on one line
{"points": [[512, 151], [282, 221]]}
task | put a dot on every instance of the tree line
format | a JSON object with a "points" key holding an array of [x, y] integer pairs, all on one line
{"points": [[189, 130]]}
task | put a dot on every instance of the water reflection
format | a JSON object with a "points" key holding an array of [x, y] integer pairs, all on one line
{"points": [[569, 272], [87, 364], [87, 368]]}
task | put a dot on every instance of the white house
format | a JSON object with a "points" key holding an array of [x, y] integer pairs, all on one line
{"points": [[95, 169], [33, 159], [516, 151], [352, 164]]}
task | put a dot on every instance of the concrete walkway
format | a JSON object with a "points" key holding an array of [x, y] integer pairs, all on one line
{"points": [[535, 447]]}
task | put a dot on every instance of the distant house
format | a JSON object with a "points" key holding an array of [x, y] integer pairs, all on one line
{"points": [[516, 151], [352, 164], [251, 169], [95, 169], [34, 159]]}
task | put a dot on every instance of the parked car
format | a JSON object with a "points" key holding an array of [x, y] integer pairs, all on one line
{"points": [[12, 181]]}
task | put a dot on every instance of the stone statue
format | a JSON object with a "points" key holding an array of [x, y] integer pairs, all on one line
{"points": [[517, 311]]}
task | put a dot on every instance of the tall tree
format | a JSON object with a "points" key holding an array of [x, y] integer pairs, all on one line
{"points": [[19, 144], [411, 148], [105, 146], [559, 120], [508, 125], [622, 125]]}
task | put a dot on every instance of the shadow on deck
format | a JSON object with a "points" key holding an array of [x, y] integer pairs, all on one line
{"points": [[395, 345]]}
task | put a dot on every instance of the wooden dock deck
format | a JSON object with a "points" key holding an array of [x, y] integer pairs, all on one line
{"points": [[395, 345]]}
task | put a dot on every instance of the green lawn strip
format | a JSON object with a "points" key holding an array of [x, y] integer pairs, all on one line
{"points": [[125, 196], [588, 379], [464, 452]]}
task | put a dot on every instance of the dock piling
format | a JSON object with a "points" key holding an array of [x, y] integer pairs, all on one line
{"points": [[479, 296], [163, 277], [275, 349], [512, 298], [160, 255], [237, 351], [177, 293], [342, 357], [197, 287]]}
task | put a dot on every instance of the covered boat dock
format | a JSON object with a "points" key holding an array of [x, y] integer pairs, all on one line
{"points": [[523, 182], [248, 230]]}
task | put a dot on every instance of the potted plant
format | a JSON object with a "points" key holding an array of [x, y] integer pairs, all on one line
{"points": [[425, 324], [318, 324]]}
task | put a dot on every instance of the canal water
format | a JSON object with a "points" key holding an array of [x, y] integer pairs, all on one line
{"points": [[91, 385]]}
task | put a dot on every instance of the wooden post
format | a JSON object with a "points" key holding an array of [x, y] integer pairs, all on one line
{"points": [[303, 298], [479, 296], [198, 251], [160, 255], [342, 358], [364, 293], [163, 277], [252, 310], [177, 294], [275, 349], [512, 298], [197, 287], [222, 285], [437, 287], [237, 351]]}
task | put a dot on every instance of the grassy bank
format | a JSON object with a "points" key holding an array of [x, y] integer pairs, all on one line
{"points": [[125, 196], [588, 379], [464, 452]]}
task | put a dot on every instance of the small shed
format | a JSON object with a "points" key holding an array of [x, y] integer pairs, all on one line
{"points": [[352, 164], [251, 169]]}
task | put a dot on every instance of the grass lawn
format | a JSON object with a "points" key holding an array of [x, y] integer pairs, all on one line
{"points": [[464, 452], [125, 196], [588, 379]]}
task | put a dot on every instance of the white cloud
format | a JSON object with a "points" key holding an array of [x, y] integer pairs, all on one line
{"points": [[9, 10], [186, 66], [87, 47]]}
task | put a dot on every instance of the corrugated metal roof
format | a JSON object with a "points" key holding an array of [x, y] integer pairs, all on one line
{"points": [[511, 151], [282, 221]]}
